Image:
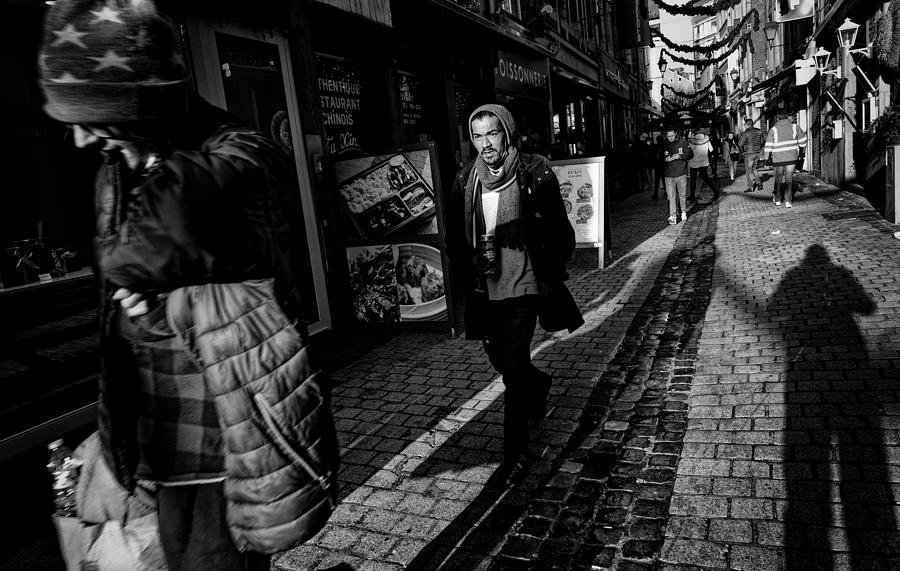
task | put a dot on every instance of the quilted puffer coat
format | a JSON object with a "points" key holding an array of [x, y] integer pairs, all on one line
{"points": [[281, 451]]}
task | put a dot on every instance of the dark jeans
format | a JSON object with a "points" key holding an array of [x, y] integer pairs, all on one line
{"points": [[511, 324], [659, 170], [194, 533], [702, 172]]}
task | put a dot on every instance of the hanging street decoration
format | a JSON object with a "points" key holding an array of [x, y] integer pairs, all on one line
{"points": [[715, 46], [691, 95], [692, 9], [744, 43]]}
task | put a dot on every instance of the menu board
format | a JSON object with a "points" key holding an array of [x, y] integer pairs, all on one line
{"points": [[341, 92], [582, 186], [411, 107], [387, 195], [393, 236]]}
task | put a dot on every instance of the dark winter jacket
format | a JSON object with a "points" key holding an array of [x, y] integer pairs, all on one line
{"points": [[213, 210], [751, 141], [281, 451], [549, 241], [678, 167]]}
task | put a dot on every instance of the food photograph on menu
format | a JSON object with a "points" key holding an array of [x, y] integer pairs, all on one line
{"points": [[387, 195], [397, 282]]}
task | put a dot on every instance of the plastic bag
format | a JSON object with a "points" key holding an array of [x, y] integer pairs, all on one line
{"points": [[115, 530]]}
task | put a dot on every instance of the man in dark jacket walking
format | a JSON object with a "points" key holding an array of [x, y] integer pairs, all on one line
{"points": [[676, 154], [509, 239], [751, 142], [184, 197]]}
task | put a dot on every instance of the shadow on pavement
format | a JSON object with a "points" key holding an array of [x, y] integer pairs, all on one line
{"points": [[839, 494]]}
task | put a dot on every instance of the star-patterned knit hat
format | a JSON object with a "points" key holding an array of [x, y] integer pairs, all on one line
{"points": [[111, 61]]}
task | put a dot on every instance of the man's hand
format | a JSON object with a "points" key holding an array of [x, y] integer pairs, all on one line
{"points": [[134, 304]]}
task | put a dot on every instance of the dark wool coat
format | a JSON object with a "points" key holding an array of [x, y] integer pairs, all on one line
{"points": [[549, 241], [214, 210]]}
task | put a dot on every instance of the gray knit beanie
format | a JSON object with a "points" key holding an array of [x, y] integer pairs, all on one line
{"points": [[111, 61], [502, 113]]}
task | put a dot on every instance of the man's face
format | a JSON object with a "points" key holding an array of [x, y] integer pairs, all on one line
{"points": [[670, 136], [490, 141]]}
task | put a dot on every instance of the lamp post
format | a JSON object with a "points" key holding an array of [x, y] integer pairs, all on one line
{"points": [[771, 30], [823, 62], [662, 64], [846, 34], [735, 76]]}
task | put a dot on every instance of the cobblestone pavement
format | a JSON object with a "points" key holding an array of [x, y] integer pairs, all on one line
{"points": [[729, 404]]}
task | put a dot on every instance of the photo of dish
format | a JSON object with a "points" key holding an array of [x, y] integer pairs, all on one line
{"points": [[387, 196], [565, 188], [420, 282], [585, 192], [568, 206], [584, 213], [373, 284]]}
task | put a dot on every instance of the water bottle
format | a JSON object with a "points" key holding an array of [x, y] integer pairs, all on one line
{"points": [[64, 469]]}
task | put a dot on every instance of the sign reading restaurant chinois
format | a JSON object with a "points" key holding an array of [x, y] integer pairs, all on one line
{"points": [[517, 74], [375, 10]]}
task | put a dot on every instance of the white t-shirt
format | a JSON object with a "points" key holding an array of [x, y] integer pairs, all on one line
{"points": [[489, 203]]}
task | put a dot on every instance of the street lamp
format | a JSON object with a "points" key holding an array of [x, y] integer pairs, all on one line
{"points": [[735, 76], [823, 60], [771, 30], [662, 63], [847, 33]]}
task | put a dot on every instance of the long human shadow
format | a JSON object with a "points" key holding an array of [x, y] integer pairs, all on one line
{"points": [[838, 479]]}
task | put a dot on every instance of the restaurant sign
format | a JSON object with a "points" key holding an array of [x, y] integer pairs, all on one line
{"points": [[522, 76]]}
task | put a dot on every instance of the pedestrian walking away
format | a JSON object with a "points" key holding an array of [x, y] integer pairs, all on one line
{"points": [[751, 142], [701, 147], [509, 238], [676, 152], [659, 166], [785, 144], [187, 200], [731, 153]]}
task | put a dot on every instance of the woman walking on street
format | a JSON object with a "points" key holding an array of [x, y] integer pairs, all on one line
{"points": [[699, 164], [731, 152]]}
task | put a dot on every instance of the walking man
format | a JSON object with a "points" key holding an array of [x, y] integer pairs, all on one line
{"points": [[751, 144], [785, 144], [676, 154], [185, 197], [509, 238]]}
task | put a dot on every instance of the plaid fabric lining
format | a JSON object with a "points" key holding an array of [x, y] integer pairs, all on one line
{"points": [[178, 428]]}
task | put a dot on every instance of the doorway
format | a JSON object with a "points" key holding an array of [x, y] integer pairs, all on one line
{"points": [[250, 75]]}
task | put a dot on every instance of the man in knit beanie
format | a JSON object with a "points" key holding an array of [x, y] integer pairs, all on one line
{"points": [[185, 197], [509, 238]]}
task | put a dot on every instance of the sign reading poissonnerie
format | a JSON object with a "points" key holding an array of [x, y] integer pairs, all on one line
{"points": [[521, 75]]}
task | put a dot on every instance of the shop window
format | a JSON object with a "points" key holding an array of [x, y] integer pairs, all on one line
{"points": [[512, 7], [413, 108], [555, 126], [46, 200]]}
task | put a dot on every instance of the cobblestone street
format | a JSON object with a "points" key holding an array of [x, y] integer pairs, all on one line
{"points": [[729, 400]]}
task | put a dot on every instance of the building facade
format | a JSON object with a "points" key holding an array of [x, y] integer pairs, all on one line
{"points": [[334, 82]]}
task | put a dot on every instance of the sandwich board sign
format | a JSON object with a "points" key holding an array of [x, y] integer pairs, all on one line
{"points": [[582, 186]]}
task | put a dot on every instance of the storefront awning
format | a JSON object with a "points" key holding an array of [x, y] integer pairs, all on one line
{"points": [[375, 10], [787, 72]]}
